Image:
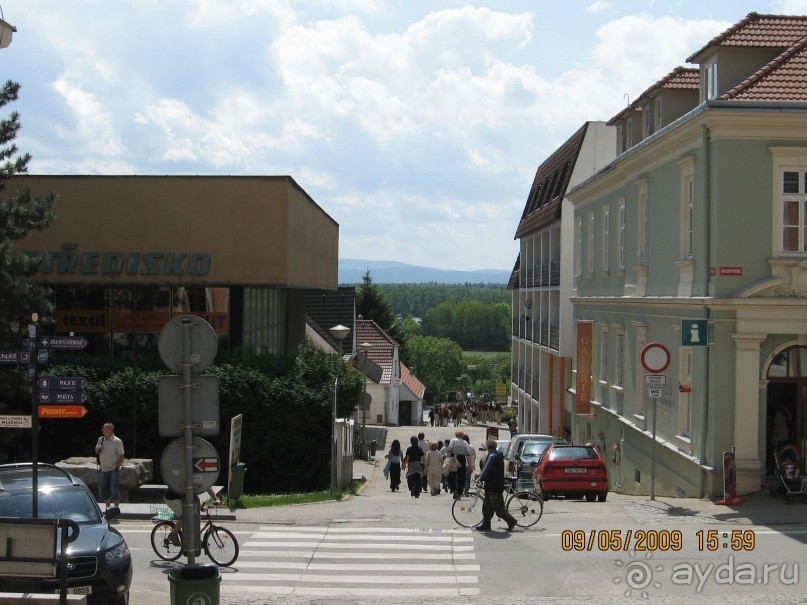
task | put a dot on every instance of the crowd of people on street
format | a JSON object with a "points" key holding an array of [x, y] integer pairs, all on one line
{"points": [[448, 466], [433, 467], [481, 412]]}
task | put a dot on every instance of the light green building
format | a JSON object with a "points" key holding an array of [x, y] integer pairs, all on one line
{"points": [[695, 238]]}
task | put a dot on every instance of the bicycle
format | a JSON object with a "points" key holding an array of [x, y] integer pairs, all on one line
{"points": [[526, 505], [218, 542]]}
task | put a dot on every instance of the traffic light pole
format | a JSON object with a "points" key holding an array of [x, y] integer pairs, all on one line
{"points": [[190, 509]]}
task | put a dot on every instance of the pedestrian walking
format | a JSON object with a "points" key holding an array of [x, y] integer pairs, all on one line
{"points": [[110, 458], [458, 446], [492, 476], [470, 463], [423, 444], [413, 465], [394, 457], [434, 468]]}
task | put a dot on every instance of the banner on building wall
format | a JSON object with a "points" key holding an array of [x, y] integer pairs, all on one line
{"points": [[585, 330], [143, 322]]}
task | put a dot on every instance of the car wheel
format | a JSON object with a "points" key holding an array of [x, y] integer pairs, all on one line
{"points": [[591, 496], [602, 496]]}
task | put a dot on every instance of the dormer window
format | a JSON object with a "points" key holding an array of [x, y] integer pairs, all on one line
{"points": [[710, 86], [647, 125], [620, 138], [659, 121]]}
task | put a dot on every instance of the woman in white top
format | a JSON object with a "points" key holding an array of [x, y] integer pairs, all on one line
{"points": [[458, 446]]}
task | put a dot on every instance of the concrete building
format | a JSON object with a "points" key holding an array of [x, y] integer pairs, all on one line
{"points": [[693, 241], [126, 253], [541, 282]]}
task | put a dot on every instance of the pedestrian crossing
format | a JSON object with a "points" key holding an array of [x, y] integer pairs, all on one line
{"points": [[359, 561]]}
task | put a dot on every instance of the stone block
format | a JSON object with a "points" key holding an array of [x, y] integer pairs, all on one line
{"points": [[134, 472]]}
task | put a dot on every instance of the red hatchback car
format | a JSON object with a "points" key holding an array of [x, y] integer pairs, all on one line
{"points": [[572, 470]]}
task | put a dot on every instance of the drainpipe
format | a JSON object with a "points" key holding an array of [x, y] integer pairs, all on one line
{"points": [[707, 177]]}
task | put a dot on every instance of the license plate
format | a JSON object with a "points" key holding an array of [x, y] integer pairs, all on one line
{"points": [[575, 469], [79, 590]]}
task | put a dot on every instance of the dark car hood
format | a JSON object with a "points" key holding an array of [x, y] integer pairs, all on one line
{"points": [[93, 539]]}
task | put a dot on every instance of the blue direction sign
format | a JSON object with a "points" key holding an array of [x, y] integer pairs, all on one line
{"points": [[62, 342], [62, 397], [15, 357], [61, 383]]}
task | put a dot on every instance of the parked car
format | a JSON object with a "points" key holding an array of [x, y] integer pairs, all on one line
{"points": [[572, 470], [99, 562], [502, 445], [528, 455], [510, 465]]}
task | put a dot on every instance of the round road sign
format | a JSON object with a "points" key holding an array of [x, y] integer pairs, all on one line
{"points": [[204, 344], [205, 465], [655, 358]]}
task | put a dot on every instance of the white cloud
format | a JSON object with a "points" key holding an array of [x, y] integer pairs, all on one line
{"points": [[598, 6], [93, 123], [793, 7]]}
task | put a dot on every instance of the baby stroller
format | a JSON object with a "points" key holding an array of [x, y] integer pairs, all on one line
{"points": [[787, 477]]}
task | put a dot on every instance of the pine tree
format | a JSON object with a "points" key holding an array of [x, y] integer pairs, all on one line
{"points": [[371, 304], [20, 213]]}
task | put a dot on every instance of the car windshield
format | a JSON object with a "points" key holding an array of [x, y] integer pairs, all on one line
{"points": [[534, 448], [60, 503], [574, 453]]}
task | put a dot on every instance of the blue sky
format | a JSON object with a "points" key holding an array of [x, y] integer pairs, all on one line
{"points": [[417, 125]]}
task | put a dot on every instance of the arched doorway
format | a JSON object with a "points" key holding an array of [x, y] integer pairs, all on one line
{"points": [[787, 401]]}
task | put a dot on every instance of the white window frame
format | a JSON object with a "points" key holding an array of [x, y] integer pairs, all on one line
{"points": [[643, 223], [685, 398], [789, 159], [711, 89], [622, 218], [619, 374], [606, 239], [578, 246], [659, 113], [647, 124], [591, 237], [603, 353], [687, 205]]}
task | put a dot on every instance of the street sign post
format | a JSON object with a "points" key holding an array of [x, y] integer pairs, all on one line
{"points": [[15, 357], [187, 345], [13, 421], [62, 397], [655, 359], [62, 411], [61, 383], [62, 342]]}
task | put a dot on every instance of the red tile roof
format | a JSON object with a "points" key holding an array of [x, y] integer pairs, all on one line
{"points": [[383, 345], [783, 79], [411, 382], [759, 31]]}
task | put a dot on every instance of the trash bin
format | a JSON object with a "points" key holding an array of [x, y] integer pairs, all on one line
{"points": [[373, 446], [196, 584], [236, 487]]}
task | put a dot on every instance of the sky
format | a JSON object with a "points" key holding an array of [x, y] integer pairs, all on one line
{"points": [[417, 125]]}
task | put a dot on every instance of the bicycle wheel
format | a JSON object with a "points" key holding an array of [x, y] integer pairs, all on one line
{"points": [[221, 546], [526, 508], [468, 511], [161, 542]]}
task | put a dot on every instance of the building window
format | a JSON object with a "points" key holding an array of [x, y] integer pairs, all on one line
{"points": [[578, 246], [687, 171], [647, 121], [659, 114], [606, 240], [685, 394], [711, 88], [643, 223], [794, 210], [604, 354], [590, 251], [620, 138], [622, 235], [629, 134], [619, 377]]}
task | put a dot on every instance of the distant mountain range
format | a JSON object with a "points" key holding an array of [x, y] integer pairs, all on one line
{"points": [[352, 270]]}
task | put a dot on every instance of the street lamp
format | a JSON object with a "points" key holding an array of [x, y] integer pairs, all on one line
{"points": [[366, 347], [339, 333]]}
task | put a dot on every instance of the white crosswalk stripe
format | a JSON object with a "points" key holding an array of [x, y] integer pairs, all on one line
{"points": [[364, 561]]}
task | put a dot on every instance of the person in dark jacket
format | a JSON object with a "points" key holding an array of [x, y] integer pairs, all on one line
{"points": [[492, 476]]}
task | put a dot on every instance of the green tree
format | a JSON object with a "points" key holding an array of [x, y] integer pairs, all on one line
{"points": [[437, 363], [372, 304], [20, 213]]}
